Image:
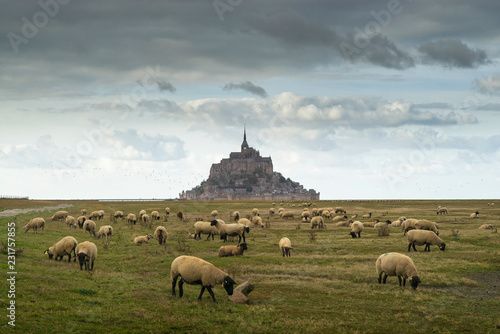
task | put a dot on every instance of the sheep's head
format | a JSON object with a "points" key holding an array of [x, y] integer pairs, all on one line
{"points": [[213, 222], [243, 246], [81, 259], [442, 246], [247, 229], [414, 281], [228, 285], [26, 228], [49, 253], [388, 221]]}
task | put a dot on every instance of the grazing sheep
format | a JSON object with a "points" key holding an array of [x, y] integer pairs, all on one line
{"points": [[317, 222], [143, 239], [475, 214], [427, 225], [382, 225], [338, 219], [305, 214], [255, 212], [396, 264], [356, 227], [423, 237], [118, 214], [231, 230], [63, 247], [105, 230], [89, 226], [34, 224], [441, 210], [100, 214], [155, 215], [161, 235], [131, 218], [341, 210], [235, 215], [398, 222], [145, 221], [232, 250], [94, 215], [205, 228], [245, 221], [60, 215], [257, 222], [491, 204], [408, 224], [486, 227], [287, 214], [214, 214], [167, 211], [71, 222], [367, 215], [86, 253], [326, 213], [80, 220], [141, 213], [271, 211], [84, 212], [195, 271], [180, 215], [285, 246], [280, 210]]}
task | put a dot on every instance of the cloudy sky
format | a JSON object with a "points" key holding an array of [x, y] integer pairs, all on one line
{"points": [[356, 99]]}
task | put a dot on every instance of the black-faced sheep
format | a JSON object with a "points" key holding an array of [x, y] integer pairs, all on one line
{"points": [[396, 264], [35, 224], [205, 228], [94, 215], [367, 215], [161, 235], [230, 230], [287, 214], [285, 246], [255, 212], [89, 226], [100, 214], [232, 250], [118, 214], [63, 247], [106, 231], [486, 227], [337, 219], [142, 212], [442, 210], [80, 220], [195, 271], [60, 215], [341, 210], [155, 215], [235, 215], [356, 228], [87, 254], [131, 218], [214, 214], [474, 214], [423, 237]]}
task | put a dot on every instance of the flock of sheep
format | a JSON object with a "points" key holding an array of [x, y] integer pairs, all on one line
{"points": [[196, 271]]}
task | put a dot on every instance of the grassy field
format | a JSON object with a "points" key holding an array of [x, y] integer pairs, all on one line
{"points": [[329, 285]]}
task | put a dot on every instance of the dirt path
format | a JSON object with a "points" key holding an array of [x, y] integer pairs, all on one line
{"points": [[15, 212]]}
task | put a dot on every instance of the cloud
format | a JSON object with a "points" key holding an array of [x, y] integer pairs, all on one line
{"points": [[489, 85], [162, 84], [452, 53], [490, 106], [246, 86], [434, 105]]}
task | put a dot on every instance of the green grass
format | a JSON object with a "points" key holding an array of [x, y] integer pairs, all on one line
{"points": [[329, 285]]}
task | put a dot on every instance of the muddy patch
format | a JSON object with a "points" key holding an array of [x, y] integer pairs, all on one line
{"points": [[488, 287], [15, 212]]}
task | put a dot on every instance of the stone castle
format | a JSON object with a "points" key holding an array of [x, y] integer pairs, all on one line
{"points": [[246, 175]]}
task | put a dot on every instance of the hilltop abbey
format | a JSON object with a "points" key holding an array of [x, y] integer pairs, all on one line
{"points": [[246, 175]]}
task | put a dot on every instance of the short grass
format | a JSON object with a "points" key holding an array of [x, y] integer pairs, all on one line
{"points": [[329, 285]]}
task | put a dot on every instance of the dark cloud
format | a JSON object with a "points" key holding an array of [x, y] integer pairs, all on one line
{"points": [[452, 53], [434, 105], [246, 86], [490, 106]]}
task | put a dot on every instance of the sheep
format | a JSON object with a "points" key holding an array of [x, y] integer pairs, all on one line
{"points": [[339, 209], [180, 215], [255, 212], [232, 250], [87, 254], [271, 211], [143, 239], [475, 214], [367, 215], [397, 264], [35, 224], [80, 220], [94, 215], [71, 222], [142, 212], [190, 235], [145, 221], [354, 216], [131, 218], [89, 226], [371, 224], [214, 214], [167, 211], [105, 230], [486, 227], [337, 219], [161, 235], [235, 215], [398, 222], [344, 223], [317, 222], [408, 224], [205, 228], [441, 210], [491, 204], [305, 214], [326, 214], [280, 210], [287, 214], [427, 225], [257, 222], [63, 247], [423, 237], [195, 271], [100, 214], [382, 225], [231, 230], [285, 246], [60, 215], [118, 214], [84, 212], [155, 215], [356, 227], [245, 221]]}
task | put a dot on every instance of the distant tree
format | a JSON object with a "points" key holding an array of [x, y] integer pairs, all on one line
{"points": [[249, 189]]}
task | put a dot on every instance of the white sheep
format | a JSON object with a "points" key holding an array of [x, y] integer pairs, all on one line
{"points": [[231, 230], [142, 212], [145, 221], [195, 271], [257, 222], [474, 214], [105, 230], [214, 214], [396, 264], [143, 239], [235, 215], [339, 209], [35, 224], [408, 224], [167, 211], [118, 214], [271, 211], [486, 227], [367, 215], [87, 254], [63, 247], [94, 215], [80, 220], [161, 235], [317, 222], [100, 214], [255, 212], [285, 246], [84, 212], [442, 210], [131, 218], [232, 250], [60, 215], [205, 228], [354, 216], [356, 228], [89, 226], [245, 221], [423, 237], [287, 214], [427, 225], [155, 215], [71, 222], [382, 225], [337, 219]]}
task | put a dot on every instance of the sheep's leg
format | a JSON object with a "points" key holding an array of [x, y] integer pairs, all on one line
{"points": [[385, 278], [69, 256], [243, 238], [181, 290], [380, 278], [399, 279], [359, 234], [92, 266], [201, 293], [208, 237], [427, 247], [409, 247], [211, 293], [174, 282], [404, 281], [239, 239]]}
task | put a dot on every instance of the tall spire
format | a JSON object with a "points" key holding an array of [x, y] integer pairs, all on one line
{"points": [[244, 145]]}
